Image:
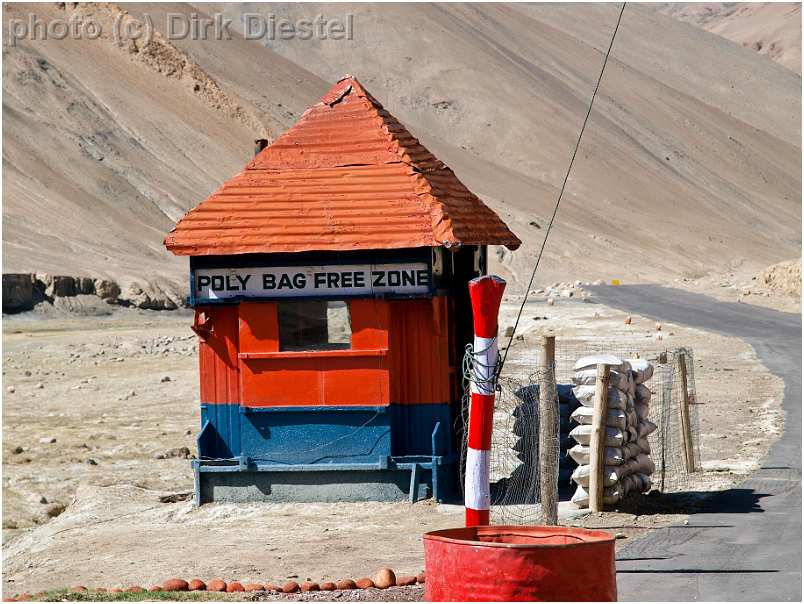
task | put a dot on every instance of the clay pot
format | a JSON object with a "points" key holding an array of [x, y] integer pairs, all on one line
{"points": [[384, 578], [291, 587], [175, 585], [346, 584]]}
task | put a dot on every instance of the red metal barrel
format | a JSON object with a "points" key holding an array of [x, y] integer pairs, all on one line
{"points": [[519, 563]]}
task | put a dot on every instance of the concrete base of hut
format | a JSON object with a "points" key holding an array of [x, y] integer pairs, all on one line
{"points": [[307, 487], [412, 482]]}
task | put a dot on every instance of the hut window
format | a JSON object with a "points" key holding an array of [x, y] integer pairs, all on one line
{"points": [[314, 325]]}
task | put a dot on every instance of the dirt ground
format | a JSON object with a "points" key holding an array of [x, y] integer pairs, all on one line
{"points": [[119, 396]]}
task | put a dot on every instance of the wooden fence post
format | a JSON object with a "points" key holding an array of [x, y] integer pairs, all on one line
{"points": [[548, 431], [597, 444], [684, 407]]}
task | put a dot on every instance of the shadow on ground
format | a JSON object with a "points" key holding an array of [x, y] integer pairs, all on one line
{"points": [[729, 501]]}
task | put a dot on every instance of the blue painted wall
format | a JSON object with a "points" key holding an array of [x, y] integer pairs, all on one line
{"points": [[322, 435]]}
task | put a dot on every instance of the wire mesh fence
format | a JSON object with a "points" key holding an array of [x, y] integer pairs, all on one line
{"points": [[515, 453], [514, 471], [675, 446]]}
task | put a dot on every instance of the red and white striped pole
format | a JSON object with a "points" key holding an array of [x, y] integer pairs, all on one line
{"points": [[486, 294]]}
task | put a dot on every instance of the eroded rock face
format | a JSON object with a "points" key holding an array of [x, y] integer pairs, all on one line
{"points": [[85, 285], [151, 296], [107, 290], [23, 291], [18, 292], [61, 286]]}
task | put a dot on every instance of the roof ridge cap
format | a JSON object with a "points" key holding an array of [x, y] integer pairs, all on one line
{"points": [[443, 228]]}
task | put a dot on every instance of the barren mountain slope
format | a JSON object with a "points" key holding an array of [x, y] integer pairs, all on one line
{"points": [[106, 147], [691, 162], [769, 28]]}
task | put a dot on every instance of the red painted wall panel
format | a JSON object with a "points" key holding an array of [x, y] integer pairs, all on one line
{"points": [[259, 327], [358, 376], [217, 352], [400, 353], [420, 359]]}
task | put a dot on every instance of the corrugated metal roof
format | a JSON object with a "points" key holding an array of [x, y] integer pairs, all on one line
{"points": [[346, 176]]}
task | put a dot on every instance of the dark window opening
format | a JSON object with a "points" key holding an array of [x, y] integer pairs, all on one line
{"points": [[314, 325]]}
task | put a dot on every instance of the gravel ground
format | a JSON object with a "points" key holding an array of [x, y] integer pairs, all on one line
{"points": [[121, 391]]}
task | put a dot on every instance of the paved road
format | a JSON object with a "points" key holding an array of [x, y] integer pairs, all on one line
{"points": [[746, 544]]}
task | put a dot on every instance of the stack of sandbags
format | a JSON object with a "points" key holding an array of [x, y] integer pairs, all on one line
{"points": [[567, 404], [627, 462], [525, 427]]}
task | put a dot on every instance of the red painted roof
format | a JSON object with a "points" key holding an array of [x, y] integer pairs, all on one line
{"points": [[346, 176]]}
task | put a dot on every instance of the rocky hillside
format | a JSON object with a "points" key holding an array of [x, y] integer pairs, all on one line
{"points": [[769, 28], [691, 162], [784, 278], [107, 145]]}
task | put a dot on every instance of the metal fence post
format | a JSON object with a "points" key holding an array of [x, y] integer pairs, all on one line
{"points": [[597, 444], [548, 431]]}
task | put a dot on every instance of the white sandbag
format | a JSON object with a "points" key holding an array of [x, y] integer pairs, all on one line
{"points": [[583, 434], [647, 483], [635, 483], [611, 495], [631, 390], [642, 370], [615, 418], [646, 428], [641, 464], [642, 394], [612, 456], [644, 464], [588, 377], [593, 360], [642, 411], [644, 446], [627, 484], [631, 450], [611, 474], [585, 394]]}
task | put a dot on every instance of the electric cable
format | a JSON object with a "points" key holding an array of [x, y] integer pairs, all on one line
{"points": [[563, 185]]}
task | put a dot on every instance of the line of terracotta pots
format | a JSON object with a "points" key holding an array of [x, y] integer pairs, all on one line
{"points": [[384, 579]]}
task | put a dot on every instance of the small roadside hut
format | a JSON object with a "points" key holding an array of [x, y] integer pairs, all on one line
{"points": [[329, 281]]}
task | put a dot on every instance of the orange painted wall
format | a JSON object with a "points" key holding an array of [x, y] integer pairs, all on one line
{"points": [[400, 353], [420, 359], [217, 354], [358, 376]]}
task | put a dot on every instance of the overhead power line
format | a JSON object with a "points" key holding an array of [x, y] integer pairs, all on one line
{"points": [[563, 184]]}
